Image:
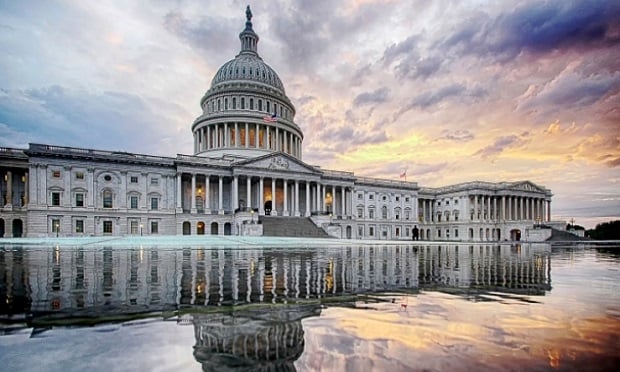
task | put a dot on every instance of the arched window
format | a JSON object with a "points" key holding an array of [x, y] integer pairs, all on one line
{"points": [[225, 103], [242, 103], [251, 103], [234, 103], [260, 105]]}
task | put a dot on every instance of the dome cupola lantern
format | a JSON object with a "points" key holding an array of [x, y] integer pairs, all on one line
{"points": [[249, 38]]}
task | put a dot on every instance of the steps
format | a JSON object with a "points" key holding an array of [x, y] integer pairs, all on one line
{"points": [[564, 236], [301, 227]]}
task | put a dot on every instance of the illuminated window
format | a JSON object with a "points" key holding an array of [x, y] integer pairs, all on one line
{"points": [[107, 227], [55, 225], [79, 226], [56, 174], [79, 175]]}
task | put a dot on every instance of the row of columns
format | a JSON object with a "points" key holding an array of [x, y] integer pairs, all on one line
{"points": [[229, 135], [8, 181], [511, 208], [316, 195]]}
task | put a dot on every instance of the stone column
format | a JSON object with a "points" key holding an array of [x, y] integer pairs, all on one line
{"points": [[247, 135], [193, 201], [277, 139], [220, 191], [296, 199], [475, 207], [323, 206], [226, 136], [208, 144], [207, 194], [26, 190], [548, 210], [237, 136], [273, 197], [342, 202], [285, 206], [235, 191], [179, 195], [261, 196], [248, 192], [307, 214], [256, 142]]}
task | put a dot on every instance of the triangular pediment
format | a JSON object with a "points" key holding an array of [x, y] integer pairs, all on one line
{"points": [[527, 186], [277, 162]]}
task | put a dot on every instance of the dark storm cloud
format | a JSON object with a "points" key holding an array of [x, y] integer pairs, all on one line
{"points": [[378, 96], [418, 68], [113, 120], [539, 27], [312, 31], [405, 48], [210, 34], [500, 144]]}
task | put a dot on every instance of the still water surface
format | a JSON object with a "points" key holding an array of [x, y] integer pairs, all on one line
{"points": [[357, 308]]}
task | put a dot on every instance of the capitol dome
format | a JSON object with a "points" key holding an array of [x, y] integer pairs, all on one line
{"points": [[246, 112]]}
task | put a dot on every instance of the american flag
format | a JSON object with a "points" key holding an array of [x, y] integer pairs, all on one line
{"points": [[270, 119], [404, 174]]}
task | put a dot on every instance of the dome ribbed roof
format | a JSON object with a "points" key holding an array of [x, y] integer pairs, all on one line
{"points": [[248, 67]]}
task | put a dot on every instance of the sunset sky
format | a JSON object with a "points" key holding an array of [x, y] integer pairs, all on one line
{"points": [[451, 91]]}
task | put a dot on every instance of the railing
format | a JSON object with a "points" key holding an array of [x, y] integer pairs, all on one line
{"points": [[203, 160], [385, 182], [92, 152]]}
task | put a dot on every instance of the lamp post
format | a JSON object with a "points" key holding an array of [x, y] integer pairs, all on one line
{"points": [[252, 215], [141, 226], [330, 218], [57, 228]]}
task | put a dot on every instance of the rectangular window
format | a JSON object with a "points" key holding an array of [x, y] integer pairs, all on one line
{"points": [[56, 174], [154, 181], [360, 212], [107, 199], [154, 203], [56, 199], [55, 225], [107, 227], [251, 103], [407, 199], [79, 175], [456, 233], [371, 196], [133, 227], [79, 199], [360, 196], [234, 103], [154, 227], [79, 226], [407, 215], [371, 213], [360, 231], [398, 198], [133, 179], [371, 231], [133, 202]]}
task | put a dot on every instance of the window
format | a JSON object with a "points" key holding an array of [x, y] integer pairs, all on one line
{"points": [[260, 105], [56, 199], [154, 227], [79, 199], [360, 212], [133, 202], [456, 201], [234, 103], [107, 177], [154, 203], [79, 175], [133, 179], [133, 227], [384, 213], [447, 202], [360, 196], [225, 103], [407, 199], [438, 233], [360, 231], [154, 181], [107, 199], [56, 174], [407, 214], [242, 103], [371, 231], [371, 196], [456, 233], [79, 226], [398, 198], [384, 198], [251, 103], [107, 227], [56, 225], [268, 106], [371, 213]]}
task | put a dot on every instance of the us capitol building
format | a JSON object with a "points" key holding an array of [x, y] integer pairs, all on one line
{"points": [[245, 177]]}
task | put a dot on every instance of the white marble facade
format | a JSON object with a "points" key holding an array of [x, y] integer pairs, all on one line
{"points": [[247, 162]]}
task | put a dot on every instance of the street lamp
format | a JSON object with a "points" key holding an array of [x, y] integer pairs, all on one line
{"points": [[141, 226], [57, 228], [252, 215], [330, 218]]}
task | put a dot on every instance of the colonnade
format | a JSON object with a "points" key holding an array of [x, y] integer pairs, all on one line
{"points": [[490, 208], [7, 191], [248, 136], [289, 197]]}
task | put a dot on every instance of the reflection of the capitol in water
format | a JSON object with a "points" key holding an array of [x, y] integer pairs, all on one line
{"points": [[247, 305]]}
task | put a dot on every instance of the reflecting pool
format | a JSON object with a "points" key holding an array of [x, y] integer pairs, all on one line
{"points": [[366, 307]]}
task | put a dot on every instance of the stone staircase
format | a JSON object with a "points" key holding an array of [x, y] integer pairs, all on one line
{"points": [[301, 227], [565, 236]]}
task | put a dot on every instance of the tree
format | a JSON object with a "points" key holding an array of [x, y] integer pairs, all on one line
{"points": [[605, 231]]}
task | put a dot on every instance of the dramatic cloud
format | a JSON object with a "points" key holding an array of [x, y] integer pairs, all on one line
{"points": [[502, 91]]}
